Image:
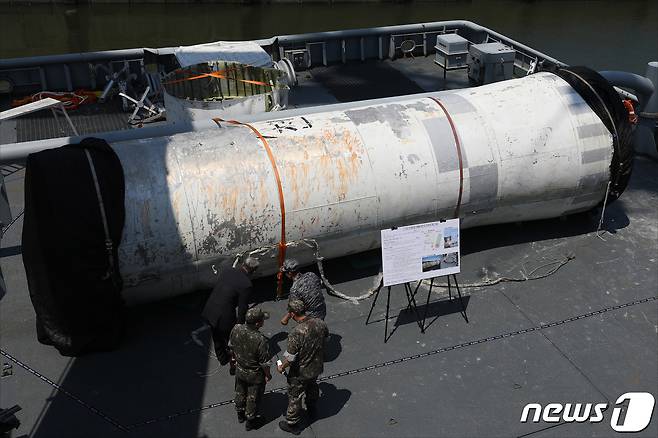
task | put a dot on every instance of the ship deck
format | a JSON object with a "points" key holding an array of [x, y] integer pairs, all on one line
{"points": [[317, 86], [586, 333]]}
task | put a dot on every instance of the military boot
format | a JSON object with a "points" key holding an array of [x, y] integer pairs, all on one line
{"points": [[294, 429], [311, 410], [241, 417], [254, 423]]}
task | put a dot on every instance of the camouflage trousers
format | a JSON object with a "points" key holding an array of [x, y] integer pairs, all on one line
{"points": [[248, 397], [296, 389]]}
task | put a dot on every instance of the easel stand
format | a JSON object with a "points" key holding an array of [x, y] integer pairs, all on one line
{"points": [[411, 303]]}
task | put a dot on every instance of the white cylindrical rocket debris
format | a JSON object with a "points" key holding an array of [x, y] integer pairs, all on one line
{"points": [[518, 150]]}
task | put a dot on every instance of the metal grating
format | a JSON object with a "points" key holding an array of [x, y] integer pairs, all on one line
{"points": [[8, 169], [88, 119]]}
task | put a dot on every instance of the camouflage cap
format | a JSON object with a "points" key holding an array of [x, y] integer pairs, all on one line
{"points": [[297, 307], [256, 314], [290, 265]]}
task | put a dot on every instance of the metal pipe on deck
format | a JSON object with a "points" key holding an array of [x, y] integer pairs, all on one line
{"points": [[642, 86]]}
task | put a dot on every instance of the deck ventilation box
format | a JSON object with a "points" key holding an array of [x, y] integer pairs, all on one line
{"points": [[300, 58], [490, 62], [451, 51]]}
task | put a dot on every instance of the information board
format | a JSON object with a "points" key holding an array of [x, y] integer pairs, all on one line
{"points": [[416, 252]]}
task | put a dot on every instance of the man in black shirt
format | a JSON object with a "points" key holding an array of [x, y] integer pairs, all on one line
{"points": [[233, 290]]}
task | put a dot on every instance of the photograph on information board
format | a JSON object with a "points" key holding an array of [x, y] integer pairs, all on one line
{"points": [[436, 262], [451, 237]]}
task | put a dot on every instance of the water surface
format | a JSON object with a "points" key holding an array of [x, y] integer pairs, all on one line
{"points": [[603, 34]]}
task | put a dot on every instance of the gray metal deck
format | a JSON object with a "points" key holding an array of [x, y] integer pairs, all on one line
{"points": [[320, 85], [88, 119], [458, 379], [587, 333]]}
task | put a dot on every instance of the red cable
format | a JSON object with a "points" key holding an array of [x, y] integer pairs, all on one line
{"points": [[459, 155], [282, 206]]}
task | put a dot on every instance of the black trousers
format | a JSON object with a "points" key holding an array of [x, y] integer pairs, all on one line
{"points": [[220, 336]]}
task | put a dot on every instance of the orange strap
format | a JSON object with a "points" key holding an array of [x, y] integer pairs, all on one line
{"points": [[72, 99], [459, 155], [282, 206], [216, 74]]}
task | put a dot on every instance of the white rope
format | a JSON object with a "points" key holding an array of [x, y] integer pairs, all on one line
{"points": [[526, 277], [109, 245], [605, 201], [311, 243], [377, 283]]}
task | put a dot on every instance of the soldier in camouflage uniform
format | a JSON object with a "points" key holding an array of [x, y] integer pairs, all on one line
{"points": [[252, 356], [305, 358], [306, 287]]}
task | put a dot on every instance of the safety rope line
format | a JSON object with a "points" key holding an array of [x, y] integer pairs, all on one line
{"points": [[459, 154], [484, 340], [282, 205], [410, 358], [70, 395]]}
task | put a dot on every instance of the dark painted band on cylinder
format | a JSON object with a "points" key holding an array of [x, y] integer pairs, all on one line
{"points": [[443, 143], [579, 108], [457, 104], [595, 155], [483, 183], [589, 183], [590, 197], [592, 130]]}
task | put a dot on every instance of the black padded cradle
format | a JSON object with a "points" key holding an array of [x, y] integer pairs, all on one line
{"points": [[74, 286]]}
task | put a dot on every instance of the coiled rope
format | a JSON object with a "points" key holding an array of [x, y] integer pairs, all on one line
{"points": [[378, 280], [526, 277]]}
